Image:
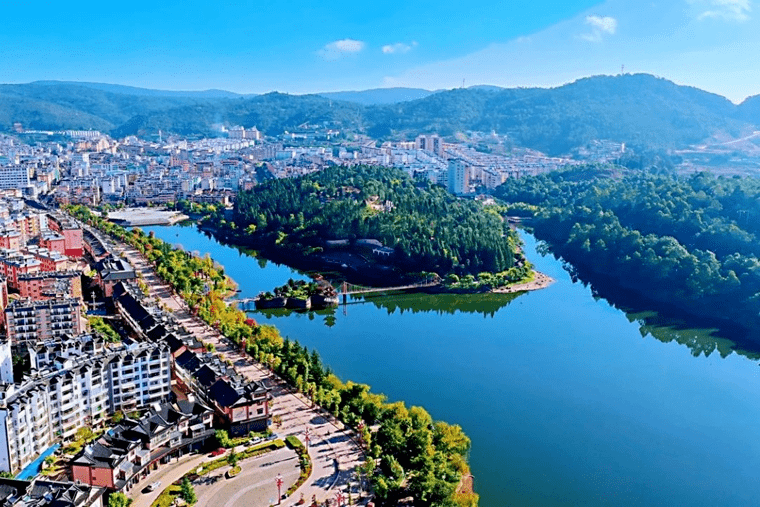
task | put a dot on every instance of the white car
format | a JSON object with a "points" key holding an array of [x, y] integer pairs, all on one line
{"points": [[154, 486]]}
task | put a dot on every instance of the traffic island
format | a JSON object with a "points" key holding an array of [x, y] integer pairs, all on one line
{"points": [[304, 462]]}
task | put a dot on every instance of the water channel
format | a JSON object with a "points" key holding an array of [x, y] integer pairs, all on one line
{"points": [[567, 399]]}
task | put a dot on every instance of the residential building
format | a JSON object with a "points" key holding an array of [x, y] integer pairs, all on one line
{"points": [[14, 263], [14, 176], [71, 232], [111, 271], [75, 382], [459, 176], [28, 320], [45, 285], [240, 405], [44, 493], [117, 459]]}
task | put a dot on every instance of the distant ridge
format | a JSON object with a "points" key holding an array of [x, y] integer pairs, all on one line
{"points": [[145, 92], [644, 111], [378, 96]]}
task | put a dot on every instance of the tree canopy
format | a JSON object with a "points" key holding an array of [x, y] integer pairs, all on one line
{"points": [[689, 241], [428, 228]]}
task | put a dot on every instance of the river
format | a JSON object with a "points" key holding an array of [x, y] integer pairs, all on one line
{"points": [[567, 399]]}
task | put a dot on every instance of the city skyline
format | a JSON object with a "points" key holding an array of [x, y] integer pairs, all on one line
{"points": [[346, 46]]}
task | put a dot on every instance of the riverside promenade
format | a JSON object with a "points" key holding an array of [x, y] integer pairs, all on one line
{"points": [[334, 452]]}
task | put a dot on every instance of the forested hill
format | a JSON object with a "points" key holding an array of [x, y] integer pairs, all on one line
{"points": [[690, 242], [641, 110], [428, 228]]}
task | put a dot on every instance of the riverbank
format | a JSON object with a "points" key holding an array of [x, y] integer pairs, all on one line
{"points": [[357, 269], [140, 217], [540, 281]]}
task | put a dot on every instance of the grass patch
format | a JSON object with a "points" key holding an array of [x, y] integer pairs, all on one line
{"points": [[167, 496]]}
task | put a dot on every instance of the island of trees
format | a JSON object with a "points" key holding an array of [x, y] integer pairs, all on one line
{"points": [[413, 226], [688, 242]]}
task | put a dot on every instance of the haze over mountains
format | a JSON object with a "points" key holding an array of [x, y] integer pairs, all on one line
{"points": [[639, 109]]}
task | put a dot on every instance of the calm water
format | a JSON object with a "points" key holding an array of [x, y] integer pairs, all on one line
{"points": [[568, 400]]}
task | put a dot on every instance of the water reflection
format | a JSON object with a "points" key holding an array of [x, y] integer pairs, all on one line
{"points": [[485, 304], [666, 324]]}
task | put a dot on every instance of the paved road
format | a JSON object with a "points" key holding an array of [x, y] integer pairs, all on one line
{"points": [[255, 485], [167, 474], [334, 452]]}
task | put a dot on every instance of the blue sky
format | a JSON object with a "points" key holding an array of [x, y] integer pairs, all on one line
{"points": [[301, 47]]}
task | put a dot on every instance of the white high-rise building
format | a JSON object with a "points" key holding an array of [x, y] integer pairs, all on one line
{"points": [[459, 176]]}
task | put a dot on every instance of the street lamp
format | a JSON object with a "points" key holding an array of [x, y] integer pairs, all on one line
{"points": [[278, 481]]}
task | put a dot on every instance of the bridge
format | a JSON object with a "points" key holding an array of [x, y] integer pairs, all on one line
{"points": [[348, 289]]}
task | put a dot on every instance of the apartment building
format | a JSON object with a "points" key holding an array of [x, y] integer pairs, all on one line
{"points": [[139, 375], [50, 260], [459, 177], [53, 241], [27, 320], [75, 382], [10, 238], [45, 285], [71, 232], [15, 176]]}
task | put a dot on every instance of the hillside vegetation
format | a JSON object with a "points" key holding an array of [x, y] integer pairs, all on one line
{"points": [[640, 110], [428, 228], [690, 242]]}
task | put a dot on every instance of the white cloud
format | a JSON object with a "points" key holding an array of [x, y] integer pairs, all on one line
{"points": [[600, 26], [398, 48], [729, 10], [340, 48]]}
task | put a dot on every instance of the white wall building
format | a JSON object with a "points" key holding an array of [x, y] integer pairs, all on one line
{"points": [[74, 383]]}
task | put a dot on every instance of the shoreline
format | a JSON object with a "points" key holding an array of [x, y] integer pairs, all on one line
{"points": [[540, 281]]}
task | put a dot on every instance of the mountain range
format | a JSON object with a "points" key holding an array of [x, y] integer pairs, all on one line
{"points": [[639, 109]]}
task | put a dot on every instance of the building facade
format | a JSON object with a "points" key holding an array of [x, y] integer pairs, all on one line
{"points": [[32, 321], [76, 382]]}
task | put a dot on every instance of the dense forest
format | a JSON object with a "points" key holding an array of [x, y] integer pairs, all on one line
{"points": [[690, 242], [428, 228], [644, 111]]}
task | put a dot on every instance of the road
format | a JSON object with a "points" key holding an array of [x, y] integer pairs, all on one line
{"points": [[255, 485], [334, 452]]}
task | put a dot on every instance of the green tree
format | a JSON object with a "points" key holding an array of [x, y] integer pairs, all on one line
{"points": [[188, 492], [118, 500]]}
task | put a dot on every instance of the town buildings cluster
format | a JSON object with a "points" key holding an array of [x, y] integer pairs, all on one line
{"points": [[58, 375], [91, 168]]}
